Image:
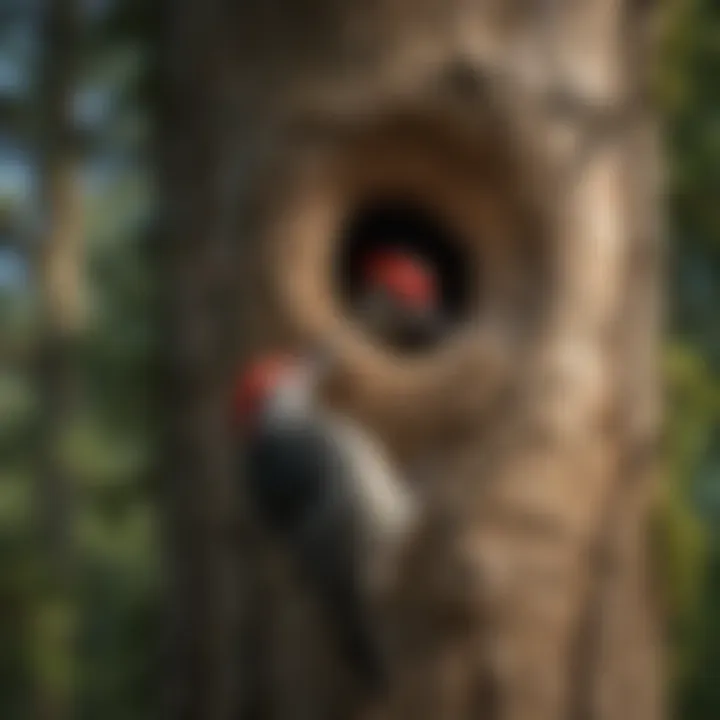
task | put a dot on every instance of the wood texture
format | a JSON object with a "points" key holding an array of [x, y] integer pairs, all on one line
{"points": [[525, 595]]}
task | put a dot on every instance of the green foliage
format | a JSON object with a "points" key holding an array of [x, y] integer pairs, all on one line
{"points": [[700, 699], [111, 616], [690, 94], [53, 629], [683, 538]]}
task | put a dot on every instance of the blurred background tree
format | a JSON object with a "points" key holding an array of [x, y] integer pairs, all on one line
{"points": [[108, 436], [107, 433]]}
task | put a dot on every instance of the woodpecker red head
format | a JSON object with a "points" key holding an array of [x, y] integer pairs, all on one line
{"points": [[400, 300], [404, 277], [256, 383], [278, 385]]}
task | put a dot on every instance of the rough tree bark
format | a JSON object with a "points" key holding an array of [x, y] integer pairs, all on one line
{"points": [[195, 260], [527, 594]]}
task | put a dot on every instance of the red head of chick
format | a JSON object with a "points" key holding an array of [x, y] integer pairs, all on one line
{"points": [[400, 298]]}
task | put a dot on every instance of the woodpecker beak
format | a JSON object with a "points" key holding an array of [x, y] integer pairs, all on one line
{"points": [[319, 361]]}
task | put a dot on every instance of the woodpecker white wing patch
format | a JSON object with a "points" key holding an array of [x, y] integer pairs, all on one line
{"points": [[388, 506]]}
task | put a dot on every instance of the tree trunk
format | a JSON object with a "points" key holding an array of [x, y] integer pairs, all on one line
{"points": [[195, 261], [59, 270], [525, 127]]}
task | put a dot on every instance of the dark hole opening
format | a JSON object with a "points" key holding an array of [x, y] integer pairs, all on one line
{"points": [[409, 227]]}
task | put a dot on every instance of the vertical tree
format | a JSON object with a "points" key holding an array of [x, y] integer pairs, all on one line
{"points": [[59, 273], [194, 262], [526, 127]]}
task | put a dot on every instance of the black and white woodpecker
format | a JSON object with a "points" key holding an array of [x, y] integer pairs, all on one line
{"points": [[324, 489], [399, 299]]}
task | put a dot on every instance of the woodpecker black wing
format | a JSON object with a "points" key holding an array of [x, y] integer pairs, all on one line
{"points": [[302, 484], [331, 558], [420, 330], [403, 327], [293, 468]]}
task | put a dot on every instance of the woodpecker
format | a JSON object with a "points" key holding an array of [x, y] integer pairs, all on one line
{"points": [[324, 488], [400, 299]]}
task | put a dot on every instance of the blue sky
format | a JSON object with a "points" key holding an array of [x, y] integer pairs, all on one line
{"points": [[13, 270]]}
